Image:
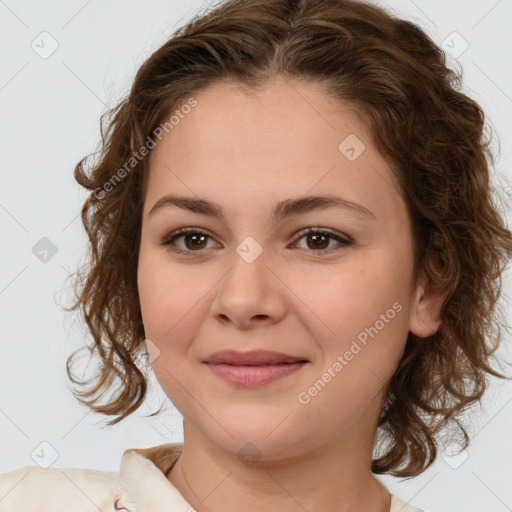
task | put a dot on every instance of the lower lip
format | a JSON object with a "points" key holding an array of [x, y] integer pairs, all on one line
{"points": [[253, 376]]}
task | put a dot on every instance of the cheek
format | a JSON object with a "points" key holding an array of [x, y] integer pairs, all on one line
{"points": [[365, 312], [158, 294], [172, 312], [348, 297], [172, 300], [359, 310]]}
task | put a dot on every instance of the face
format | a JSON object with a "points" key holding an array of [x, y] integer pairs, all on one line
{"points": [[340, 297]]}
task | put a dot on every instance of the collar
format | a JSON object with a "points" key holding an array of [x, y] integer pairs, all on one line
{"points": [[143, 472]]}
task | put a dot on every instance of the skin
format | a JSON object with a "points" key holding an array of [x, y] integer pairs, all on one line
{"points": [[247, 150]]}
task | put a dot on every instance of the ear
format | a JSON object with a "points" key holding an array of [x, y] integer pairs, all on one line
{"points": [[425, 314]]}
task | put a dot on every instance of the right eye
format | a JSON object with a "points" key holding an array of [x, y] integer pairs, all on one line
{"points": [[192, 238]]}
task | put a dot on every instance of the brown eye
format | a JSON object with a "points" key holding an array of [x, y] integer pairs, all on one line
{"points": [[193, 240], [318, 240]]}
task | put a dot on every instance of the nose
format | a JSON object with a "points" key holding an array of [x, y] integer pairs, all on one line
{"points": [[250, 293]]}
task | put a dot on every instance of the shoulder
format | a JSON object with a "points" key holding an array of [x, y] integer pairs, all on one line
{"points": [[58, 489], [399, 505]]}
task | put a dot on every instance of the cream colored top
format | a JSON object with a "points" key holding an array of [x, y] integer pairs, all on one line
{"points": [[141, 485]]}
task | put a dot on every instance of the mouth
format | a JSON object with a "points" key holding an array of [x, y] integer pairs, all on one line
{"points": [[252, 358], [255, 368]]}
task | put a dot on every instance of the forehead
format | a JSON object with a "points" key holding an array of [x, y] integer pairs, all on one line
{"points": [[287, 138], [231, 118]]}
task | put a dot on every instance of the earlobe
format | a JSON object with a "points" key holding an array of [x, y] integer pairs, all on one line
{"points": [[425, 317]]}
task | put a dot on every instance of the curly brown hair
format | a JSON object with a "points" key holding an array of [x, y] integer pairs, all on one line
{"points": [[431, 134]]}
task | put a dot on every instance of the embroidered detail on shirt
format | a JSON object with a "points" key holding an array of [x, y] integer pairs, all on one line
{"points": [[117, 505]]}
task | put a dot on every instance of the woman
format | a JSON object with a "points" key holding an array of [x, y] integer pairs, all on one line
{"points": [[292, 214]]}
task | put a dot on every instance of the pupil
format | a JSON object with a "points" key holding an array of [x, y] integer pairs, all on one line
{"points": [[195, 237], [317, 238]]}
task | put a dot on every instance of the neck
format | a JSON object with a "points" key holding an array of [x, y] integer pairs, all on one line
{"points": [[334, 475]]}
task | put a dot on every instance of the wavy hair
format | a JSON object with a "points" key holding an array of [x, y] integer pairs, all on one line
{"points": [[433, 137]]}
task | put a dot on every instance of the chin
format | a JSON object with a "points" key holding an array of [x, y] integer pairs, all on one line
{"points": [[257, 441]]}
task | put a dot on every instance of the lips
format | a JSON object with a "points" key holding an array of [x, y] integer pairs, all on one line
{"points": [[255, 368], [252, 358]]}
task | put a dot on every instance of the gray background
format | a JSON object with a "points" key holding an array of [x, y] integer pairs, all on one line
{"points": [[51, 105]]}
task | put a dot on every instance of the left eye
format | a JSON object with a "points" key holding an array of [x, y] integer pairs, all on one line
{"points": [[320, 237], [196, 239]]}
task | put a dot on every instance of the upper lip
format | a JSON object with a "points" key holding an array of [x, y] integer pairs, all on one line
{"points": [[251, 358]]}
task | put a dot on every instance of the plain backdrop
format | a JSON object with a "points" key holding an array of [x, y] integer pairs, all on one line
{"points": [[62, 65]]}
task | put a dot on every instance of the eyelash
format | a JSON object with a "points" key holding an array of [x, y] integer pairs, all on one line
{"points": [[169, 239]]}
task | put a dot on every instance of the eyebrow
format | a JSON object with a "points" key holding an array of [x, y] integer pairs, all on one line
{"points": [[282, 209]]}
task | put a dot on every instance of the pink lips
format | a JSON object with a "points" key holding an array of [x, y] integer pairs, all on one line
{"points": [[254, 368]]}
